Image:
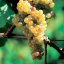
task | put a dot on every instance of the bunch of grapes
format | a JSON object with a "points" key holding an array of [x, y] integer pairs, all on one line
{"points": [[33, 22]]}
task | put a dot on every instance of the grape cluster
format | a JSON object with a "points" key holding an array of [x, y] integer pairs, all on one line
{"points": [[33, 23]]}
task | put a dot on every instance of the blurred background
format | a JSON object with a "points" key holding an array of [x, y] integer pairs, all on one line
{"points": [[17, 51]]}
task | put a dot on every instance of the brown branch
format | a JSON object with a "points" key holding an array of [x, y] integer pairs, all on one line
{"points": [[45, 52], [2, 35], [9, 32], [23, 36], [54, 46]]}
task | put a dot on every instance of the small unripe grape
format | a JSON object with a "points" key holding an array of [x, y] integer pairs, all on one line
{"points": [[48, 15], [51, 4], [30, 23], [47, 1], [33, 30], [26, 20]]}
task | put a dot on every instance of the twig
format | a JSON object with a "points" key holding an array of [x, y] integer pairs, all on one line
{"points": [[13, 36], [57, 48], [9, 32], [47, 41], [45, 52], [56, 40]]}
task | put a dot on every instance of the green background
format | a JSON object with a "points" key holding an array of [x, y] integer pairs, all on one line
{"points": [[17, 51]]}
